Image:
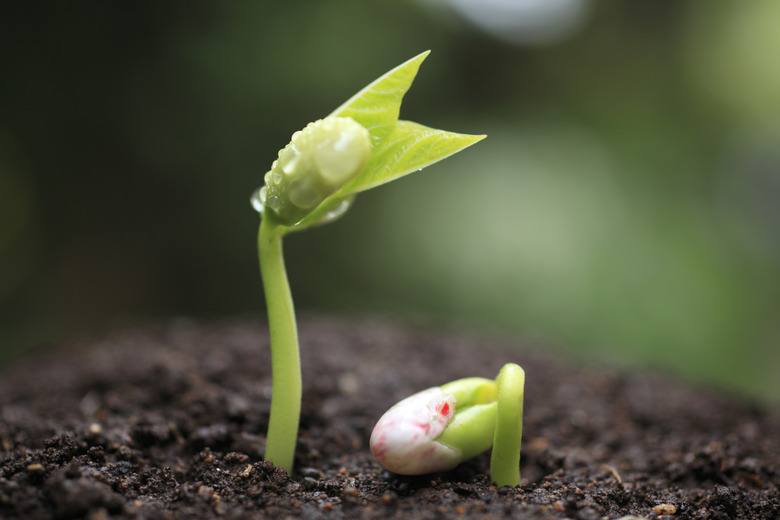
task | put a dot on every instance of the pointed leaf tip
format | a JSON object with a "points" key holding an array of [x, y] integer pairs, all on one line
{"points": [[411, 147], [377, 105]]}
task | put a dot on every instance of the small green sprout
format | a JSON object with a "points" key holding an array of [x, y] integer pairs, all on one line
{"points": [[361, 145], [438, 428]]}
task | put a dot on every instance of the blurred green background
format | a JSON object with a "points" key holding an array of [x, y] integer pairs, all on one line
{"points": [[626, 204]]}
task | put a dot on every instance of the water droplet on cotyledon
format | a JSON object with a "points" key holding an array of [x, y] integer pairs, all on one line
{"points": [[273, 202], [288, 160], [258, 199], [337, 211]]}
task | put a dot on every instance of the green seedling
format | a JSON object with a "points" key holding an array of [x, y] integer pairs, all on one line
{"points": [[438, 428], [361, 145]]}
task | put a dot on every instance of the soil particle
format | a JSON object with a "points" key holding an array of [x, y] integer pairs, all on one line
{"points": [[170, 423]]}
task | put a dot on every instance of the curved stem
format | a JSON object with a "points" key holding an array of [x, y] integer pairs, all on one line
{"points": [[285, 357], [505, 458]]}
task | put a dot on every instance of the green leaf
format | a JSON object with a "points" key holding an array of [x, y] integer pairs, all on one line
{"points": [[377, 106], [397, 147], [410, 147]]}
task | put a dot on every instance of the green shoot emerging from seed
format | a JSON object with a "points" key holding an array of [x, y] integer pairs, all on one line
{"points": [[438, 428], [361, 145]]}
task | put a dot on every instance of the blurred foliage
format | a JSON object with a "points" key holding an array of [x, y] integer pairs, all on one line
{"points": [[626, 203]]}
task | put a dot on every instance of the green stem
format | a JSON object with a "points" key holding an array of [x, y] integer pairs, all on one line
{"points": [[505, 458], [285, 358]]}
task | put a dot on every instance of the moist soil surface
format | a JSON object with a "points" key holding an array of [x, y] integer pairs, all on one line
{"points": [[170, 423]]}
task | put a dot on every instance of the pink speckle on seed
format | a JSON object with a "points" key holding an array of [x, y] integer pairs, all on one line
{"points": [[404, 439]]}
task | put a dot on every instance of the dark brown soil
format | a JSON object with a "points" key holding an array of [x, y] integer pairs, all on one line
{"points": [[170, 424]]}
